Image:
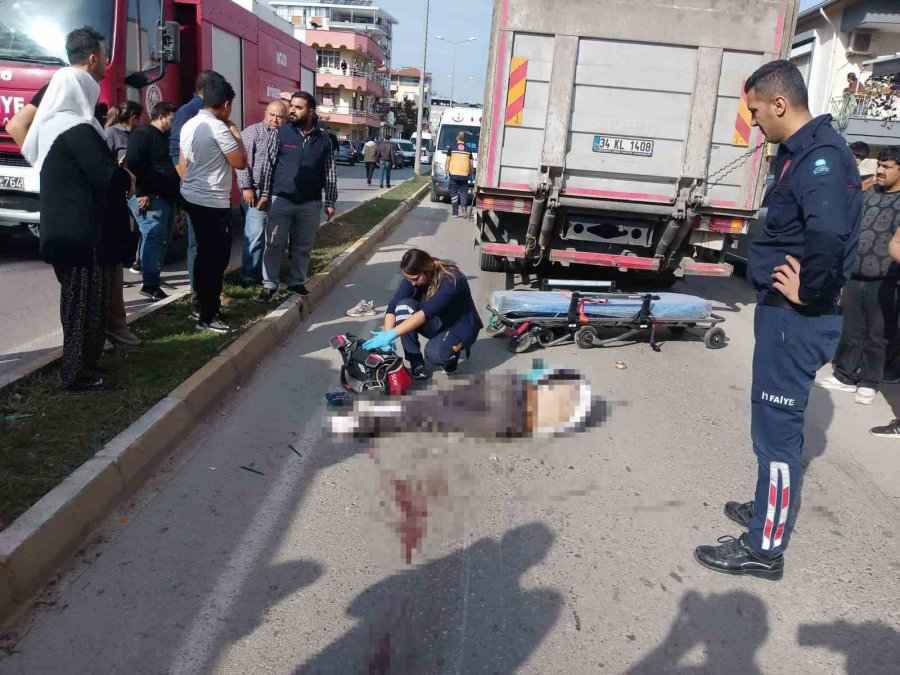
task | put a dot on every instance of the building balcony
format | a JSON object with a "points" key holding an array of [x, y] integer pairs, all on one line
{"points": [[872, 118], [351, 41], [371, 83], [342, 114]]}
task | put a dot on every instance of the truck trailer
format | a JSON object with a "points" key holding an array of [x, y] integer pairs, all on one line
{"points": [[618, 135], [155, 50]]}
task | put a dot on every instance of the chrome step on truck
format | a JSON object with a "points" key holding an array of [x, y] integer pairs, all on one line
{"points": [[623, 143]]}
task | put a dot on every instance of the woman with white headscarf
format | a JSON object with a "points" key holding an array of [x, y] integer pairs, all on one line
{"points": [[83, 201]]}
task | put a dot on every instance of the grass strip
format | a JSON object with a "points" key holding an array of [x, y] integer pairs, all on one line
{"points": [[46, 434]]}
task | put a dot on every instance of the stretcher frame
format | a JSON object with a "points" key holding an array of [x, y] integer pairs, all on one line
{"points": [[525, 332]]}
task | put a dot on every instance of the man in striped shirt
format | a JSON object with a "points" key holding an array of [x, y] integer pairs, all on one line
{"points": [[298, 170], [256, 141]]}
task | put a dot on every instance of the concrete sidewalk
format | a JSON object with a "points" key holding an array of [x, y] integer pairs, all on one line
{"points": [[570, 556]]}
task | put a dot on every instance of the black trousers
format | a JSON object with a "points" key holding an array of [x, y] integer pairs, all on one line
{"points": [[83, 304], [212, 230], [370, 170], [870, 318]]}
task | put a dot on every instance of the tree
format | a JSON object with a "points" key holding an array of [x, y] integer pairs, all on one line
{"points": [[406, 114]]}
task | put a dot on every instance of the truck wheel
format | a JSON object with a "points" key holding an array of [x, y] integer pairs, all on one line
{"points": [[434, 196], [520, 344], [714, 338], [491, 263], [585, 337]]}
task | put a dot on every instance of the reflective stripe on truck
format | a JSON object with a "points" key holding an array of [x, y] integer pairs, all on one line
{"points": [[620, 262]]}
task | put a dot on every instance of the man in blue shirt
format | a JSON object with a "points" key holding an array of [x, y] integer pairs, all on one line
{"points": [[798, 265], [187, 112]]}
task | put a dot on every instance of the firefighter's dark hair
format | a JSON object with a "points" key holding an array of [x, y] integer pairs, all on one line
{"points": [[779, 78]]}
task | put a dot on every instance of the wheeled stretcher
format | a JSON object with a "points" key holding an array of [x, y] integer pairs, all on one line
{"points": [[548, 318]]}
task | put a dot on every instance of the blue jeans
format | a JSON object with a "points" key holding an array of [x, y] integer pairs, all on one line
{"points": [[254, 243], [790, 349], [385, 173], [192, 240], [157, 225]]}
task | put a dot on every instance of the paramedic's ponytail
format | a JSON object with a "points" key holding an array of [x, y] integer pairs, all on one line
{"points": [[416, 261]]}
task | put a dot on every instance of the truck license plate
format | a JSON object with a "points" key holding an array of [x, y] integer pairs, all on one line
{"points": [[12, 183], [618, 145]]}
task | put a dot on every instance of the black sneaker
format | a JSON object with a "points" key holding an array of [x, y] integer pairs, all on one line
{"points": [[734, 556], [299, 289], [194, 315], [165, 284], [88, 383], [740, 513], [266, 294], [215, 326], [892, 430], [419, 371], [153, 293]]}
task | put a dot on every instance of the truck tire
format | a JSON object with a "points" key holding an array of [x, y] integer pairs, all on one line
{"points": [[433, 196], [491, 263]]}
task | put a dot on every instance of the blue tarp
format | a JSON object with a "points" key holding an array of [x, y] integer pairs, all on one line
{"points": [[669, 306]]}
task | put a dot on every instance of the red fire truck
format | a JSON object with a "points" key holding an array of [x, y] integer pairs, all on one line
{"points": [[156, 48]]}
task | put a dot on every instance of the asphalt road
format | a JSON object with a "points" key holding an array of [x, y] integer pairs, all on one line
{"points": [[571, 556], [29, 292]]}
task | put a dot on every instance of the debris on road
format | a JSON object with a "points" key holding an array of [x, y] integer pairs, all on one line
{"points": [[247, 468]]}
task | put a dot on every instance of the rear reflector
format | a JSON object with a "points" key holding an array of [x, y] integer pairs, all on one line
{"points": [[690, 266], [504, 204]]}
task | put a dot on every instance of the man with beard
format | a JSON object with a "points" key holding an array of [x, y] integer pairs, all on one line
{"points": [[299, 168]]}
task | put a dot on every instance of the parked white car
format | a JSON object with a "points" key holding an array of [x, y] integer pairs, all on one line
{"points": [[406, 152]]}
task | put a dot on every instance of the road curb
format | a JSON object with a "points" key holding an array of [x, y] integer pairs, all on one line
{"points": [[34, 546]]}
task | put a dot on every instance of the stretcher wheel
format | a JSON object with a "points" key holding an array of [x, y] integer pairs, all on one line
{"points": [[494, 327], [714, 338], [586, 337], [545, 337], [521, 343]]}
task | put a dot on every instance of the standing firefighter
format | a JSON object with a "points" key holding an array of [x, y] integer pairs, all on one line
{"points": [[798, 265]]}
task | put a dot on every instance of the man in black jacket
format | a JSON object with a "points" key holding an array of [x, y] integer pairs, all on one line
{"points": [[156, 198], [299, 168]]}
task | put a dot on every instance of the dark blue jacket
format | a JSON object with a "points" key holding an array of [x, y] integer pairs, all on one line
{"points": [[186, 112], [815, 210], [301, 165], [452, 303]]}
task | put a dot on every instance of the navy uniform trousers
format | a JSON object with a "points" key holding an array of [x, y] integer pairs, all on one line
{"points": [[790, 349], [443, 346]]}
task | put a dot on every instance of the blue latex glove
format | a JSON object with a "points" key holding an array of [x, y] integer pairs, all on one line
{"points": [[383, 340]]}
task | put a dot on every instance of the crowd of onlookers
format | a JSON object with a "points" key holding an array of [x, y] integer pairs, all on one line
{"points": [[111, 187], [869, 348]]}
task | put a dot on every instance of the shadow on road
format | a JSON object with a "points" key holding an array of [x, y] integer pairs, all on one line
{"points": [[871, 648], [464, 613], [727, 628]]}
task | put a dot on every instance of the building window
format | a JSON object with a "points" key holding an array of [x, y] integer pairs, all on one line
{"points": [[328, 58]]}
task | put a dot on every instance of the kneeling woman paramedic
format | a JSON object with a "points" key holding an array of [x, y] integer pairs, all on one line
{"points": [[433, 301]]}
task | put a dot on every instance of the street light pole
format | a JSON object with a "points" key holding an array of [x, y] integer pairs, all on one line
{"points": [[418, 164], [453, 76]]}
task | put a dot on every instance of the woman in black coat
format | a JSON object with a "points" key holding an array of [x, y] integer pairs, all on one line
{"points": [[84, 216]]}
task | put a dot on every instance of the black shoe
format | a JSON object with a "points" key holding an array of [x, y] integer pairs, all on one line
{"points": [[215, 326], [450, 368], [419, 371], [153, 293], [892, 430], [88, 383], [740, 513], [300, 290], [249, 283], [166, 284], [266, 294], [734, 556], [194, 315]]}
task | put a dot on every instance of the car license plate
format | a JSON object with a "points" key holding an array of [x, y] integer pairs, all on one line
{"points": [[12, 183], [617, 145]]}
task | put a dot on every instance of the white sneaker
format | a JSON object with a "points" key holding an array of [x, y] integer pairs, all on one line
{"points": [[362, 308], [865, 395], [831, 382]]}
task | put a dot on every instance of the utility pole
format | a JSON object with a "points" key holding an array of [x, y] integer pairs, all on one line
{"points": [[453, 76], [418, 163]]}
